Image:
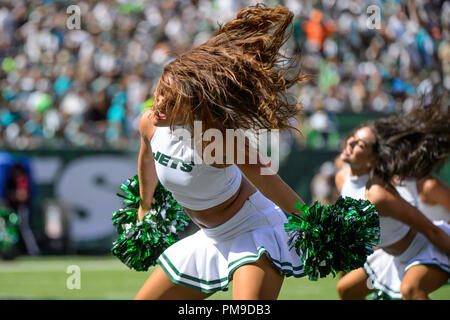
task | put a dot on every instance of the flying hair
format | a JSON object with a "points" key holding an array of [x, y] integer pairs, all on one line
{"points": [[238, 79], [412, 144]]}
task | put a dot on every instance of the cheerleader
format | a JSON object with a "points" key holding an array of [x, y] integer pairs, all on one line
{"points": [[236, 80], [414, 255]]}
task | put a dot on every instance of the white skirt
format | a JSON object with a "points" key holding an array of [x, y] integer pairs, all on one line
{"points": [[207, 259], [386, 272]]}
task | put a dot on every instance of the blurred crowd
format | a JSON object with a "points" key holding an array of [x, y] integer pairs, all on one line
{"points": [[86, 87]]}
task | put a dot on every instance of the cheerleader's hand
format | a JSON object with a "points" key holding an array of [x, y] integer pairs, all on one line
{"points": [[143, 211]]}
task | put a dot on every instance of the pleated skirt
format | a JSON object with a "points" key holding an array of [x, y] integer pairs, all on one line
{"points": [[386, 272], [207, 259]]}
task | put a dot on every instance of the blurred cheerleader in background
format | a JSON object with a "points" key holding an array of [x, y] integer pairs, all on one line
{"points": [[390, 161]]}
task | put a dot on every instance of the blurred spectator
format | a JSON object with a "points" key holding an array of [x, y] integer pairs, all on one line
{"points": [[86, 87], [17, 192], [323, 188], [322, 128], [18, 188]]}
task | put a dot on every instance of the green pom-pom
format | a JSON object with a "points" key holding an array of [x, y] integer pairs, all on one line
{"points": [[128, 214], [334, 238], [141, 243], [9, 230]]}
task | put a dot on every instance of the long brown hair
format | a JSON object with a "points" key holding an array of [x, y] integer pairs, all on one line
{"points": [[412, 144], [238, 79]]}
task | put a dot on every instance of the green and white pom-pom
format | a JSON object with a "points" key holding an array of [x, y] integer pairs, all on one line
{"points": [[334, 238], [140, 243], [128, 214]]}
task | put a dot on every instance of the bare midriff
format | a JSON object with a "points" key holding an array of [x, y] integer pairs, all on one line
{"points": [[215, 216], [400, 246]]}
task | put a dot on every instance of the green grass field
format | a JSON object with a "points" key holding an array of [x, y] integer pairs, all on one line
{"points": [[106, 278]]}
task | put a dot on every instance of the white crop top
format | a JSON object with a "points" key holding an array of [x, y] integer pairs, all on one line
{"points": [[194, 186], [391, 230], [433, 212]]}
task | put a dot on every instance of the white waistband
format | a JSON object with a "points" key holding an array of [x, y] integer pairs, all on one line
{"points": [[257, 212], [418, 243]]}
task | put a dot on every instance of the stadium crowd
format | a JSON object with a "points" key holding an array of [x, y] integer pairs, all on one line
{"points": [[86, 87]]}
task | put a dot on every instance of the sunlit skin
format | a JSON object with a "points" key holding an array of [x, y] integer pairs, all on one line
{"points": [[358, 152]]}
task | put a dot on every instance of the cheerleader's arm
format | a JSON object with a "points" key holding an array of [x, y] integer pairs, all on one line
{"points": [[340, 177], [268, 182], [148, 179], [272, 187], [389, 203]]}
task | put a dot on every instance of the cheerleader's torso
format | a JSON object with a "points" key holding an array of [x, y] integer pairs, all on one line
{"points": [[193, 183], [391, 230]]}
